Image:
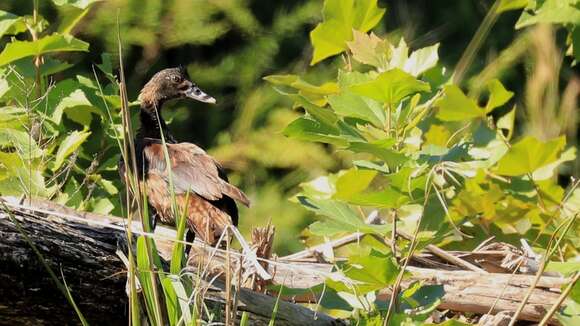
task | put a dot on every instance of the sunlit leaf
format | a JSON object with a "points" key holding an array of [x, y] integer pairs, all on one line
{"points": [[81, 4], [530, 154], [349, 104], [422, 60], [64, 95], [498, 95], [388, 198], [340, 18], [380, 150], [547, 171], [369, 49], [11, 24], [352, 182], [570, 314], [322, 115], [391, 87], [551, 12], [53, 43], [70, 144], [506, 5], [102, 206], [302, 85], [23, 144], [311, 130], [375, 270], [455, 106], [565, 268], [507, 121], [340, 214], [437, 135]]}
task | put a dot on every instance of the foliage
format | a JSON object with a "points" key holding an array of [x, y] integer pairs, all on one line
{"points": [[50, 146], [428, 155], [409, 142]]}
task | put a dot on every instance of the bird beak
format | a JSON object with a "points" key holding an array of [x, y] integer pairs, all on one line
{"points": [[197, 94]]}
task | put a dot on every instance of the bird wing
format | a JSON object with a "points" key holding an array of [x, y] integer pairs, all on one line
{"points": [[192, 170]]}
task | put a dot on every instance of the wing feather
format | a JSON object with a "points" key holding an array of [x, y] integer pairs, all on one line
{"points": [[192, 169]]}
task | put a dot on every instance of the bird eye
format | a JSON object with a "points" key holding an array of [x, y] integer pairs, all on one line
{"points": [[197, 91], [175, 78]]}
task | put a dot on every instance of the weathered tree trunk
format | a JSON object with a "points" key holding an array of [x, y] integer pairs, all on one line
{"points": [[83, 246], [84, 254]]}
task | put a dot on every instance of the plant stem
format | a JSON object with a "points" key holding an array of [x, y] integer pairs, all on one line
{"points": [[475, 43]]}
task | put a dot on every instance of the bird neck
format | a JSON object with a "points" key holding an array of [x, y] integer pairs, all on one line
{"points": [[152, 123]]}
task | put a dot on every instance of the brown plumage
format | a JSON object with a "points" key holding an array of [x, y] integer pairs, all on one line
{"points": [[201, 187]]}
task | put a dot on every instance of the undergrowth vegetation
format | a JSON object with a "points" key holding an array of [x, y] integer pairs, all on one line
{"points": [[429, 150]]}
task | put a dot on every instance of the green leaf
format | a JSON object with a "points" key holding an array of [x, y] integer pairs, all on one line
{"points": [[530, 154], [565, 268], [65, 95], [70, 144], [323, 115], [506, 5], [422, 299], [81, 4], [391, 87], [498, 95], [326, 228], [340, 18], [422, 60], [549, 170], [298, 83], [551, 12], [381, 150], [102, 206], [53, 43], [24, 145], [507, 121], [455, 106], [11, 24], [388, 198], [49, 66], [352, 182], [349, 104], [570, 314], [341, 215], [375, 270], [311, 130]]}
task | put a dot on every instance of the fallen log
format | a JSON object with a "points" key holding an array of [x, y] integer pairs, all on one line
{"points": [[465, 291], [83, 246]]}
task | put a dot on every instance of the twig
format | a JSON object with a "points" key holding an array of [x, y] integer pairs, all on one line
{"points": [[447, 256], [250, 255], [318, 248]]}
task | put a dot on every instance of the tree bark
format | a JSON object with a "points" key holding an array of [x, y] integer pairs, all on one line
{"points": [[83, 246]]}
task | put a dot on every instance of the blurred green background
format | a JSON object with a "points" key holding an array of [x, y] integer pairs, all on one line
{"points": [[228, 46]]}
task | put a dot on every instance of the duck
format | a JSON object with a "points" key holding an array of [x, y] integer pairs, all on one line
{"points": [[200, 184]]}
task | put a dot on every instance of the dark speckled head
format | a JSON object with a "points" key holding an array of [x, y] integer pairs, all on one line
{"points": [[171, 83]]}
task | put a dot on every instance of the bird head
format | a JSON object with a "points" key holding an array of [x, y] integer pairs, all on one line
{"points": [[172, 83]]}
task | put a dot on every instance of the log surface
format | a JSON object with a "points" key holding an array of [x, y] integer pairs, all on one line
{"points": [[84, 248]]}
